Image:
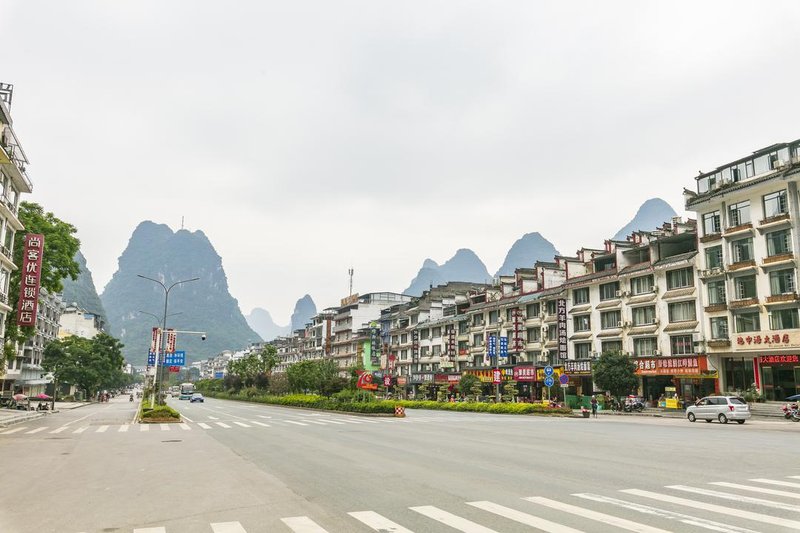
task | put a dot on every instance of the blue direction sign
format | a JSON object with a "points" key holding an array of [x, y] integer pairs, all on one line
{"points": [[175, 359], [549, 381], [151, 359], [492, 349], [503, 346], [548, 371]]}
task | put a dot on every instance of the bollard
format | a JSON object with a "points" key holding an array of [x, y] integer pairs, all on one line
{"points": [[399, 411]]}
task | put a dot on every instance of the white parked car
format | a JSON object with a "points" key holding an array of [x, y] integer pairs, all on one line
{"points": [[722, 408]]}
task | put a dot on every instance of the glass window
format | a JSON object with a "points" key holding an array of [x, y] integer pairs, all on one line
{"points": [[745, 287], [784, 319], [436, 350], [761, 164], [716, 292], [642, 284], [739, 214], [477, 339], [643, 316], [534, 334], [477, 320], [580, 296], [462, 327], [719, 327], [781, 281], [608, 291], [779, 242], [742, 250], [677, 279], [403, 338], [424, 333], [644, 346], [775, 204], [436, 332], [714, 257], [610, 319], [681, 345], [711, 223], [747, 322], [581, 323], [552, 333], [532, 310], [551, 307], [682, 311], [582, 350], [493, 316], [611, 346]]}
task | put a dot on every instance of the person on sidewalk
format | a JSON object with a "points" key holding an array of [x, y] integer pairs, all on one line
{"points": [[594, 406]]}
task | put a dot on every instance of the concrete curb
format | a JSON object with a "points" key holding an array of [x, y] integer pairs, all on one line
{"points": [[24, 418]]}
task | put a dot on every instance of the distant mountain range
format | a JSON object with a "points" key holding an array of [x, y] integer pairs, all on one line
{"points": [[155, 251], [261, 321], [651, 215], [528, 249], [465, 265], [82, 291]]}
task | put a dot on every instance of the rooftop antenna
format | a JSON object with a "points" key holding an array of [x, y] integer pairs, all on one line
{"points": [[181, 221], [350, 273]]}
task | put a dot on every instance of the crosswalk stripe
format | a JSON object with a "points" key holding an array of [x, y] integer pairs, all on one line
{"points": [[365, 421], [222, 425], [348, 421], [302, 524], [523, 518], [10, 431], [123, 428], [671, 515], [203, 425], [241, 424], [59, 430], [144, 427], [449, 519], [164, 427], [762, 490], [334, 422], [150, 530], [263, 416], [794, 477], [296, 423], [317, 422], [738, 498], [758, 517], [37, 430], [256, 422], [186, 427], [378, 522], [80, 430], [777, 482], [102, 429], [213, 418], [227, 527], [617, 522]]}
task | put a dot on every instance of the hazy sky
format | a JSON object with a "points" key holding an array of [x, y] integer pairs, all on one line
{"points": [[306, 137]]}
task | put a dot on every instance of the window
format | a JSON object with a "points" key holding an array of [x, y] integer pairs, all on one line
{"points": [[582, 350], [643, 316], [747, 322], [477, 320], [552, 333], [739, 214], [779, 242], [681, 345], [775, 204], [642, 284], [745, 287], [784, 319], [677, 279], [534, 334], [551, 307], [436, 332], [477, 340], [493, 316], [423, 351], [644, 346], [532, 310], [611, 346], [608, 291], [682, 311], [424, 333], [462, 327], [610, 319], [711, 223], [462, 347], [742, 250], [716, 292], [580, 296], [436, 350], [714, 257], [510, 315], [719, 327], [781, 282], [403, 338], [581, 323]]}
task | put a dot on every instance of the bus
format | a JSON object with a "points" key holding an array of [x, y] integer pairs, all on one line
{"points": [[187, 389]]}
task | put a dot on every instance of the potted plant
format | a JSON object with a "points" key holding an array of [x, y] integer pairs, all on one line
{"points": [[585, 412]]}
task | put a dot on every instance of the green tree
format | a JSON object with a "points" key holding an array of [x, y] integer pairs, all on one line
{"points": [[90, 364], [510, 391], [321, 376], [467, 383], [615, 372]]}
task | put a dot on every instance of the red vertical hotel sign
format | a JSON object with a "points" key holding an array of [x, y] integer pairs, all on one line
{"points": [[29, 280]]}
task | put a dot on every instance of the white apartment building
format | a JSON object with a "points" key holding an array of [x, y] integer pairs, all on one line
{"points": [[748, 212], [79, 322]]}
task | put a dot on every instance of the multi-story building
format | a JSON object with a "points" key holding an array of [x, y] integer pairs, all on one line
{"points": [[79, 322], [319, 334], [13, 182], [748, 212]]}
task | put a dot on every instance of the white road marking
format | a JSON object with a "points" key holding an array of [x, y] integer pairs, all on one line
{"points": [[365, 421], [762, 490], [378, 522], [164, 427], [738, 498], [204, 426], [223, 425], [758, 517], [334, 422], [671, 515], [81, 430], [523, 518], [619, 523], [150, 530], [227, 527], [186, 418], [123, 428], [78, 419], [777, 482], [302, 524], [241, 424], [102, 429], [259, 423], [144, 427], [295, 423], [10, 431], [317, 422], [213, 418], [59, 430], [348, 421], [449, 519], [37, 430], [186, 427], [262, 416]]}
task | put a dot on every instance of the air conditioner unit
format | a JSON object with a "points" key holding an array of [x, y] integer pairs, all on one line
{"points": [[595, 354], [619, 294], [656, 352], [627, 324], [780, 163], [654, 288], [705, 272], [796, 159], [619, 324], [714, 186]]}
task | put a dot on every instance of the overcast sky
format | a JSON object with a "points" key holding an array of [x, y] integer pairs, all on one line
{"points": [[306, 137]]}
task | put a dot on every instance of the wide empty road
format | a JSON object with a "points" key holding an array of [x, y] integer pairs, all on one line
{"points": [[235, 467]]}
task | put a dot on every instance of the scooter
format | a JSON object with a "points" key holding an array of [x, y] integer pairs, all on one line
{"points": [[635, 405], [788, 409], [131, 398]]}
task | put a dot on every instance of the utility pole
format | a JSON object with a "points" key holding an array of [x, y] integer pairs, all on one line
{"points": [[350, 273]]}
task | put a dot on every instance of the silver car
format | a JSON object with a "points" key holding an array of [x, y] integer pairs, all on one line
{"points": [[722, 408]]}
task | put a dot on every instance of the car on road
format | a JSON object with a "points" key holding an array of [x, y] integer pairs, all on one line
{"points": [[721, 408], [197, 397]]}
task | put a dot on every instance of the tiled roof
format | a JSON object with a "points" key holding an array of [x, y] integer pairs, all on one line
{"points": [[580, 280], [675, 259], [681, 326], [580, 309], [643, 330], [638, 267], [645, 298], [609, 305]]}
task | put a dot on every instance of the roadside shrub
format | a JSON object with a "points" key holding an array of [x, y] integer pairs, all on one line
{"points": [[357, 395], [161, 412]]}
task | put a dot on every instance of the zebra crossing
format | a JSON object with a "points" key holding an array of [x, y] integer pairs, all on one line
{"points": [[719, 506]]}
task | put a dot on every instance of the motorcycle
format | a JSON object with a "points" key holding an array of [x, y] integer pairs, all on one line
{"points": [[788, 410], [131, 398], [633, 405]]}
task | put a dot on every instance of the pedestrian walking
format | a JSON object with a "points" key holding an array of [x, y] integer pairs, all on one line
{"points": [[594, 406]]}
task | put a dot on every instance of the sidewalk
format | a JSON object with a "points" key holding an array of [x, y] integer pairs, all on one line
{"points": [[9, 417]]}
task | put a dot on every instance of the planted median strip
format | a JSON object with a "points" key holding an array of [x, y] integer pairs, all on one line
{"points": [[159, 414]]}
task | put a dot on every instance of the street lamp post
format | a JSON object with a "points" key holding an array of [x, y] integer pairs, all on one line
{"points": [[161, 349]]}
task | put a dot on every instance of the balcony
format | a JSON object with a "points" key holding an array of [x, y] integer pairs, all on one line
{"points": [[773, 222], [782, 298], [740, 304], [778, 259], [718, 343], [742, 265], [716, 308], [713, 272], [712, 237], [738, 230]]}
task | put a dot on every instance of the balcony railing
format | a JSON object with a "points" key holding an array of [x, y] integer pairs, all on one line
{"points": [[745, 302]]}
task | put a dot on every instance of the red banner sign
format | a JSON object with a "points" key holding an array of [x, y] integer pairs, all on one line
{"points": [[170, 341], [778, 359], [365, 381], [446, 378], [669, 366], [496, 377], [174, 369], [524, 373], [29, 280], [155, 341]]}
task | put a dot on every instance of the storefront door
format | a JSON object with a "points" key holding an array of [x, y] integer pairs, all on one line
{"points": [[780, 381]]}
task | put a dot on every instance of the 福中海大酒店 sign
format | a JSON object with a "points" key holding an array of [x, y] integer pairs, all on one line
{"points": [[29, 279], [767, 340], [669, 366]]}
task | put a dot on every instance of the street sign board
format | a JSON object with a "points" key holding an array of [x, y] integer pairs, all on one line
{"points": [[387, 381], [151, 359], [503, 346], [219, 375], [174, 369], [548, 370], [496, 376], [549, 381], [175, 359], [563, 379], [492, 348]]}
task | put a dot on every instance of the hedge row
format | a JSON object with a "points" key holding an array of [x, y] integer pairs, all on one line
{"points": [[160, 412], [314, 401]]}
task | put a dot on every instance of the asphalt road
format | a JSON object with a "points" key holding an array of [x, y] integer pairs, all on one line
{"points": [[236, 467]]}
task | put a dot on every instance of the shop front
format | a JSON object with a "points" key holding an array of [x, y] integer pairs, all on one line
{"points": [[448, 381], [667, 379], [525, 376], [486, 376], [415, 380], [780, 376]]}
